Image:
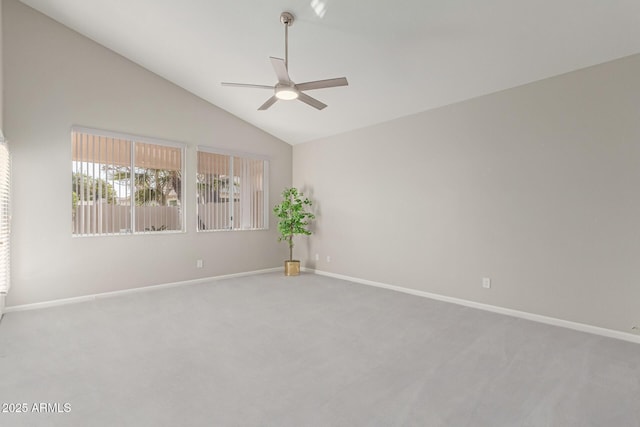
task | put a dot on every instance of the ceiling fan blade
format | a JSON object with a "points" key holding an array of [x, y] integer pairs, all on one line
{"points": [[246, 85], [321, 84], [311, 101], [268, 103], [281, 69]]}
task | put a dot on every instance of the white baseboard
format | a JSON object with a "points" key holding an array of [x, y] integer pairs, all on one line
{"points": [[610, 333], [93, 297]]}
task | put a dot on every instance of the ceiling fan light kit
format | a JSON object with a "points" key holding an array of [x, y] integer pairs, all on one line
{"points": [[286, 89], [286, 93]]}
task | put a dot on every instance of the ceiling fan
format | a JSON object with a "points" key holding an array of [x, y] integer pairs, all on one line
{"points": [[286, 89]]}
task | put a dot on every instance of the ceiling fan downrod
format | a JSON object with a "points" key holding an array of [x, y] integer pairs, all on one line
{"points": [[287, 19]]}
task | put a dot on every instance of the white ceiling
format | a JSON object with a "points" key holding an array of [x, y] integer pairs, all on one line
{"points": [[400, 57]]}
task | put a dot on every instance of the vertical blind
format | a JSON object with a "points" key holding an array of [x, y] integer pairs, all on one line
{"points": [[232, 191], [123, 185], [5, 216]]}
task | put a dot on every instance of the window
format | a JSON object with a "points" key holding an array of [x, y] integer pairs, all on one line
{"points": [[5, 217], [121, 184], [232, 191]]}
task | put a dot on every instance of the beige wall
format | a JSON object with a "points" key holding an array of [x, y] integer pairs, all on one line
{"points": [[56, 78], [535, 187]]}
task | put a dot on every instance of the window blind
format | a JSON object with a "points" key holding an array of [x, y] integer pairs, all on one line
{"points": [[232, 191], [5, 217], [124, 184]]}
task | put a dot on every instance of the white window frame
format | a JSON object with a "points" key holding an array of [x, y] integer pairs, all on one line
{"points": [[237, 154], [147, 140]]}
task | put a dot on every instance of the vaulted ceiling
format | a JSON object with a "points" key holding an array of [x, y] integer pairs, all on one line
{"points": [[400, 57]]}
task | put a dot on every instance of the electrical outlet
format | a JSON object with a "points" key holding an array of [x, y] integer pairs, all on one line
{"points": [[328, 258], [317, 257], [199, 263], [486, 282]]}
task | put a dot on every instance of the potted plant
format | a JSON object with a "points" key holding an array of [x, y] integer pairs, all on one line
{"points": [[293, 218]]}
